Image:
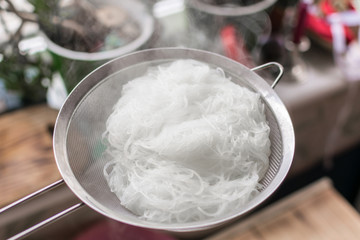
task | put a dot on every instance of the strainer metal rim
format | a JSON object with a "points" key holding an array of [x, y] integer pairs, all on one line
{"points": [[228, 11], [95, 77]]}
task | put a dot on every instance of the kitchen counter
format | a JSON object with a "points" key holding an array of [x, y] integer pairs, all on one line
{"points": [[324, 109]]}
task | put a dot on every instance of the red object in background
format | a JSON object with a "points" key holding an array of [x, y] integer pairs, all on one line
{"points": [[228, 37], [301, 21], [321, 28], [234, 46], [112, 230]]}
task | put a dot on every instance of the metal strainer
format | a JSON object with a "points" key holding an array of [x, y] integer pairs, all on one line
{"points": [[78, 143]]}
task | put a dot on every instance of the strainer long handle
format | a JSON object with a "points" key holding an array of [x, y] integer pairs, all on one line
{"points": [[43, 223], [271, 64], [7, 209], [31, 196]]}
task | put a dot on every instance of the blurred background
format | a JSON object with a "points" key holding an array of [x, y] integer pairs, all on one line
{"points": [[47, 47]]}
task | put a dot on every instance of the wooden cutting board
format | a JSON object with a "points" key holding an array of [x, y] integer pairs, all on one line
{"points": [[316, 212], [26, 157]]}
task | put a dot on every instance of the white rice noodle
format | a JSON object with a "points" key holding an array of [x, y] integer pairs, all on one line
{"points": [[186, 144]]}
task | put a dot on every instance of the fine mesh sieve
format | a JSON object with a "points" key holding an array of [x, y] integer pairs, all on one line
{"points": [[78, 140], [78, 143]]}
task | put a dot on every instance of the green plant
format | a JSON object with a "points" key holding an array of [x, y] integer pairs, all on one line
{"points": [[28, 75]]}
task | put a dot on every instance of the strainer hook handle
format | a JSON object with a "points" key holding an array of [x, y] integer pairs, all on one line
{"points": [[270, 64]]}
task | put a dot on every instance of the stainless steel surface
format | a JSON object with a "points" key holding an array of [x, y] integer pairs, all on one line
{"points": [[81, 122]]}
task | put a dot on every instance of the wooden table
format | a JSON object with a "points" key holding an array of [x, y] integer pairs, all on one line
{"points": [[26, 157], [315, 212]]}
